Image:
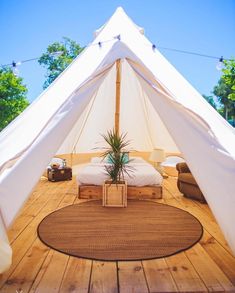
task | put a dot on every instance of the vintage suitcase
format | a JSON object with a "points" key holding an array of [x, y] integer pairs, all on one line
{"points": [[59, 174]]}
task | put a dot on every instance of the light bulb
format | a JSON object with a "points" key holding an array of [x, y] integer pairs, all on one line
{"points": [[15, 68], [220, 64], [15, 71]]}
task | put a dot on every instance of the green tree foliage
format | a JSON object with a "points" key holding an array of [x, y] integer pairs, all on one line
{"points": [[56, 63], [210, 100], [12, 96], [222, 91], [229, 77]]}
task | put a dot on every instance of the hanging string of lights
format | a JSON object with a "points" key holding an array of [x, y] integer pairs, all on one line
{"points": [[219, 65], [14, 65]]}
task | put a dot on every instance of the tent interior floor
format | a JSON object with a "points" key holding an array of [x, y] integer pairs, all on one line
{"points": [[207, 266]]}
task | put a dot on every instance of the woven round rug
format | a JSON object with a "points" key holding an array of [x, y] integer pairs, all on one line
{"points": [[143, 230]]}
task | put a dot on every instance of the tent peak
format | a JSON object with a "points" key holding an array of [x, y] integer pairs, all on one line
{"points": [[120, 9], [119, 21]]}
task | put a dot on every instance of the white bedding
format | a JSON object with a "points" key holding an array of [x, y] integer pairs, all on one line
{"points": [[143, 173]]}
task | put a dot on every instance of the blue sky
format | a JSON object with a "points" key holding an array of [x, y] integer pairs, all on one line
{"points": [[202, 26]]}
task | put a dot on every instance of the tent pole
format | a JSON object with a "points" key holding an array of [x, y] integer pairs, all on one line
{"points": [[118, 88]]}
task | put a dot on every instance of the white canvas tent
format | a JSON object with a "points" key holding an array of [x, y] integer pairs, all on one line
{"points": [[159, 108]]}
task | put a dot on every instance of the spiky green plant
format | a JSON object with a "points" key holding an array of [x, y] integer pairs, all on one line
{"points": [[116, 154]]}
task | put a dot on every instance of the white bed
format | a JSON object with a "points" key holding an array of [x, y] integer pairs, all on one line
{"points": [[142, 174], [144, 183]]}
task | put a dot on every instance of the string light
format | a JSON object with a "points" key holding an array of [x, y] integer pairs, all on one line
{"points": [[54, 54], [15, 65], [219, 65]]}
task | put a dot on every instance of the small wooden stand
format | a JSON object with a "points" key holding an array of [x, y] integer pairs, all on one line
{"points": [[59, 174], [114, 195]]}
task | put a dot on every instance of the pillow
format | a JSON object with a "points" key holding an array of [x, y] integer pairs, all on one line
{"points": [[56, 162], [169, 165], [126, 158], [108, 159], [172, 161]]}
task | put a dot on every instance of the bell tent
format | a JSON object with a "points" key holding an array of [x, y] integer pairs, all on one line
{"points": [[158, 108]]}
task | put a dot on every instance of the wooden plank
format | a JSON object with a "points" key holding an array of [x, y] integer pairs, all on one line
{"points": [[131, 277], [90, 191], [171, 185], [55, 262], [133, 192], [24, 274], [210, 273], [184, 274], [144, 192], [224, 260], [104, 277], [29, 212], [205, 207], [165, 193], [77, 276], [51, 274], [43, 183], [158, 276], [25, 240], [217, 252], [206, 220], [69, 196]]}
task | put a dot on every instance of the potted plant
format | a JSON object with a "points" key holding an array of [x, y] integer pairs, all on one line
{"points": [[117, 158]]}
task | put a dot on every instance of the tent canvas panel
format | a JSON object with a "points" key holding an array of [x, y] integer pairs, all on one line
{"points": [[83, 136], [145, 123], [203, 154]]}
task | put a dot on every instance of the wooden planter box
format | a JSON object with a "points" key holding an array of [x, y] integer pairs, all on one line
{"points": [[115, 195]]}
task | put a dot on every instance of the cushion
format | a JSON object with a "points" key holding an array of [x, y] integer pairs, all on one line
{"points": [[56, 161], [187, 178], [126, 158], [171, 161], [109, 159], [169, 165], [182, 168]]}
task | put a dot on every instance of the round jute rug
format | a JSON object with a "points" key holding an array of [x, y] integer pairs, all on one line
{"points": [[143, 230]]}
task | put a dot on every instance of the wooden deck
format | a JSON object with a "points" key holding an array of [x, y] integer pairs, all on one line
{"points": [[207, 266]]}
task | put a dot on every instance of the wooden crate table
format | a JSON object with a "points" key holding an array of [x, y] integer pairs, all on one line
{"points": [[59, 174]]}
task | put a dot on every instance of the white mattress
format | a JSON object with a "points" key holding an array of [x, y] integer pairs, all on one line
{"points": [[143, 173]]}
